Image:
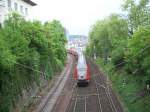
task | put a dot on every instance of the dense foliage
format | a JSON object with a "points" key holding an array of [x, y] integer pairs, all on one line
{"points": [[121, 44], [138, 53], [111, 38], [138, 14], [28, 51], [108, 38]]}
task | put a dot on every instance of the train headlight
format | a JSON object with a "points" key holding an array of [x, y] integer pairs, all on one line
{"points": [[81, 77]]}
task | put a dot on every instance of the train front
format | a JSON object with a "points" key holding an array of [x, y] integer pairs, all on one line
{"points": [[82, 73]]}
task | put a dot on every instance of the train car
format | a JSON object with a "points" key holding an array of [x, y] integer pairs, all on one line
{"points": [[82, 72], [73, 52]]}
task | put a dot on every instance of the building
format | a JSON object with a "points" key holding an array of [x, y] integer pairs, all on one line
{"points": [[22, 7], [77, 42]]}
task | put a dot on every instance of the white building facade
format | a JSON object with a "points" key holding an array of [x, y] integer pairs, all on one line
{"points": [[22, 7], [78, 44]]}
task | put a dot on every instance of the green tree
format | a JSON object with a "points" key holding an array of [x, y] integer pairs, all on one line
{"points": [[138, 14], [138, 53], [29, 51], [108, 38]]}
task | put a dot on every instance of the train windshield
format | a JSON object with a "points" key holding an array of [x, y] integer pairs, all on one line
{"points": [[81, 63]]}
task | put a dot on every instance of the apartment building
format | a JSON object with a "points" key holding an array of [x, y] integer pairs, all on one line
{"points": [[22, 7]]}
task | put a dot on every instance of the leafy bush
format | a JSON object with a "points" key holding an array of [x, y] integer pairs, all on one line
{"points": [[25, 49], [108, 39], [138, 53], [128, 41], [118, 56]]}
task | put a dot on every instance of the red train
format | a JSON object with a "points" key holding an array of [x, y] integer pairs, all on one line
{"points": [[73, 52], [82, 71]]}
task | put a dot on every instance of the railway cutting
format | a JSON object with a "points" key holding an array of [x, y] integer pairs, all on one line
{"points": [[67, 96]]}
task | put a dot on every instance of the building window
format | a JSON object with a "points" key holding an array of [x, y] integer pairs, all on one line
{"points": [[2, 3], [26, 11], [9, 3], [0, 20], [16, 6], [21, 9]]}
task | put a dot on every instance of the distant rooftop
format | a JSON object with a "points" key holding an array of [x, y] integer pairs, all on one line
{"points": [[30, 2], [73, 37]]}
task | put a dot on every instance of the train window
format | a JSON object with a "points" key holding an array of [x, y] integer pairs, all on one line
{"points": [[81, 62]]}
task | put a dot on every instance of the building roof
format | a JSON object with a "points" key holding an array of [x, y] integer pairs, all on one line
{"points": [[30, 2]]}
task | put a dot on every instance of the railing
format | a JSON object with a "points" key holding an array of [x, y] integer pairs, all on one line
{"points": [[2, 3]]}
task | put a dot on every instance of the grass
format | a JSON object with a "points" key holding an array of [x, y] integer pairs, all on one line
{"points": [[128, 87]]}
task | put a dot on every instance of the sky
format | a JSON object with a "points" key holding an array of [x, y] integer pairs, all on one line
{"points": [[77, 16]]}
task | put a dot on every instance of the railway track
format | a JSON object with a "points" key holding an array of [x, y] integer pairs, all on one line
{"points": [[85, 99], [67, 92], [48, 103], [96, 97], [108, 103]]}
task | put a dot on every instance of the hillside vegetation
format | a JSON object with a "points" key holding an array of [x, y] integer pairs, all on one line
{"points": [[121, 46], [28, 52]]}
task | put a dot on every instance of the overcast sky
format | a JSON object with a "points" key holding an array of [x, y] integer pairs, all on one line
{"points": [[75, 15]]}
